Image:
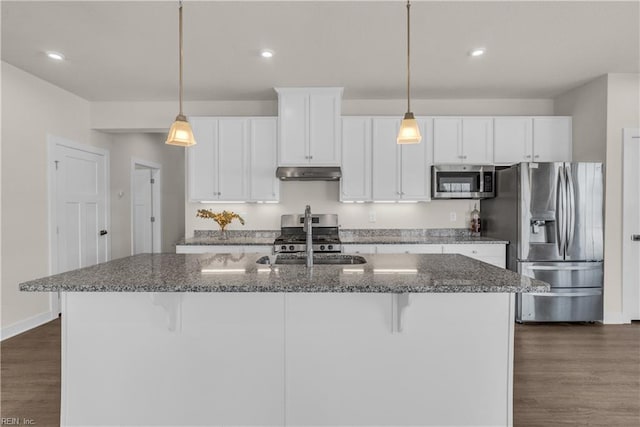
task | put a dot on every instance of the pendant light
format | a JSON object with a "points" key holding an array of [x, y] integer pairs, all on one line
{"points": [[409, 129], [180, 133]]}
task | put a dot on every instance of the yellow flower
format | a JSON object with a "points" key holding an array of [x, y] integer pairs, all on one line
{"points": [[223, 218]]}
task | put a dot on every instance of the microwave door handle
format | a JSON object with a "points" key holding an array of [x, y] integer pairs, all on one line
{"points": [[571, 202]]}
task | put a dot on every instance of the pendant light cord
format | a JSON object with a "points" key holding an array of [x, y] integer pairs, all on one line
{"points": [[408, 58], [181, 54]]}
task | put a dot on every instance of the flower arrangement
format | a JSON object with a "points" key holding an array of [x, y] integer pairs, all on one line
{"points": [[223, 218]]}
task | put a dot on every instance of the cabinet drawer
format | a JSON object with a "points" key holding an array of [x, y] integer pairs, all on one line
{"points": [[359, 249], [476, 250], [409, 249]]}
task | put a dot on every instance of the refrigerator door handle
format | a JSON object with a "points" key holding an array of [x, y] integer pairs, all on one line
{"points": [[571, 201], [561, 231], [585, 293], [563, 268]]}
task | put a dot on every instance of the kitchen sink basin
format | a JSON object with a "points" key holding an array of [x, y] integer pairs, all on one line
{"points": [[337, 259]]}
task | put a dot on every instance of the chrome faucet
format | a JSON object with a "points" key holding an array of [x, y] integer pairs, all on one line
{"points": [[308, 227]]}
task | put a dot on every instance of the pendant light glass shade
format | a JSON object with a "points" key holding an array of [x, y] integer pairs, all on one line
{"points": [[180, 133], [409, 130]]}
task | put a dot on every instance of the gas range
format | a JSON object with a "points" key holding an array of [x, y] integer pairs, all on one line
{"points": [[325, 236]]}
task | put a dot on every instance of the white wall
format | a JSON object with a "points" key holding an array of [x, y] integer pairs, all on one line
{"points": [[323, 198], [32, 108], [588, 106], [149, 147], [157, 116], [623, 110]]}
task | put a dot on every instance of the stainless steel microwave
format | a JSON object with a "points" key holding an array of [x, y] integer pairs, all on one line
{"points": [[462, 182]]}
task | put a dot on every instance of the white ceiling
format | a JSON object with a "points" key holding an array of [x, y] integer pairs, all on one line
{"points": [[127, 51]]}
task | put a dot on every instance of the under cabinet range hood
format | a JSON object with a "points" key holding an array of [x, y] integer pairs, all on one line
{"points": [[309, 173]]}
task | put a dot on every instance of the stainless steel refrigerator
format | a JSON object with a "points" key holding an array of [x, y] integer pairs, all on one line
{"points": [[552, 216]]}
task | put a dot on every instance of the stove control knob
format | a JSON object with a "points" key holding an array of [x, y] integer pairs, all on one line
{"points": [[291, 248], [283, 248], [330, 247], [322, 247]]}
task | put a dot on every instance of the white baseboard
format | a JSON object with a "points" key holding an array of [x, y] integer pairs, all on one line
{"points": [[615, 318], [26, 324]]}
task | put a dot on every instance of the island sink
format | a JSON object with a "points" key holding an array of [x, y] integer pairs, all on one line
{"points": [[334, 259]]}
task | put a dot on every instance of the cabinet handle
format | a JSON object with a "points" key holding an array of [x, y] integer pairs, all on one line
{"points": [[474, 252], [527, 157], [460, 157], [311, 157], [536, 156], [464, 157]]}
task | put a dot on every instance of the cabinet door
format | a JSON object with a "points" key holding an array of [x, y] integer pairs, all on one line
{"points": [[324, 125], [552, 139], [293, 119], [447, 140], [385, 159], [356, 159], [232, 162], [415, 167], [263, 184], [201, 158], [512, 140], [477, 141], [490, 253]]}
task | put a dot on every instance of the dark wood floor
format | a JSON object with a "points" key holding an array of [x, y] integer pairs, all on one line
{"points": [[565, 374]]}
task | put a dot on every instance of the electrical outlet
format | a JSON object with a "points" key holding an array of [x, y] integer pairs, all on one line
{"points": [[372, 216], [453, 217]]}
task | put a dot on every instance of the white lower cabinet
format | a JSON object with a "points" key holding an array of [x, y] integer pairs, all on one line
{"points": [[359, 249], [494, 254], [223, 249], [409, 249]]}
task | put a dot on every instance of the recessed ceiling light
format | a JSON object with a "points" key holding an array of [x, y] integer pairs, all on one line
{"points": [[56, 55], [477, 52], [266, 53]]}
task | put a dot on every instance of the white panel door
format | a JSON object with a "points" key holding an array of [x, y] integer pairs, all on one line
{"points": [[447, 140], [552, 139], [477, 140], [324, 122], [386, 159], [293, 128], [232, 159], [415, 169], [263, 184], [81, 200], [512, 140], [202, 158], [631, 225], [142, 212], [355, 183]]}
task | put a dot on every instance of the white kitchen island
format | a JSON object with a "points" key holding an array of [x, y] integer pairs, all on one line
{"points": [[219, 340]]}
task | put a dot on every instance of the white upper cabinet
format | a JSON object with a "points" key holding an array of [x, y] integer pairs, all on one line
{"points": [[463, 140], [415, 163], [355, 184], [234, 159], [309, 126], [386, 159], [513, 140], [527, 139], [263, 142], [400, 172], [552, 138]]}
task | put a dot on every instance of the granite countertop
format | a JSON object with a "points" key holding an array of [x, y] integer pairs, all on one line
{"points": [[393, 273], [417, 240], [347, 236]]}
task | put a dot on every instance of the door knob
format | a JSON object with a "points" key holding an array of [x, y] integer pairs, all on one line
{"points": [[103, 232]]}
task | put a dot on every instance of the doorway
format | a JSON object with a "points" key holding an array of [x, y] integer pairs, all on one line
{"points": [[146, 231], [78, 207], [631, 225]]}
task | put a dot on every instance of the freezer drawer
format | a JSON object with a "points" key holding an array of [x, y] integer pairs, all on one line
{"points": [[565, 274], [563, 305]]}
